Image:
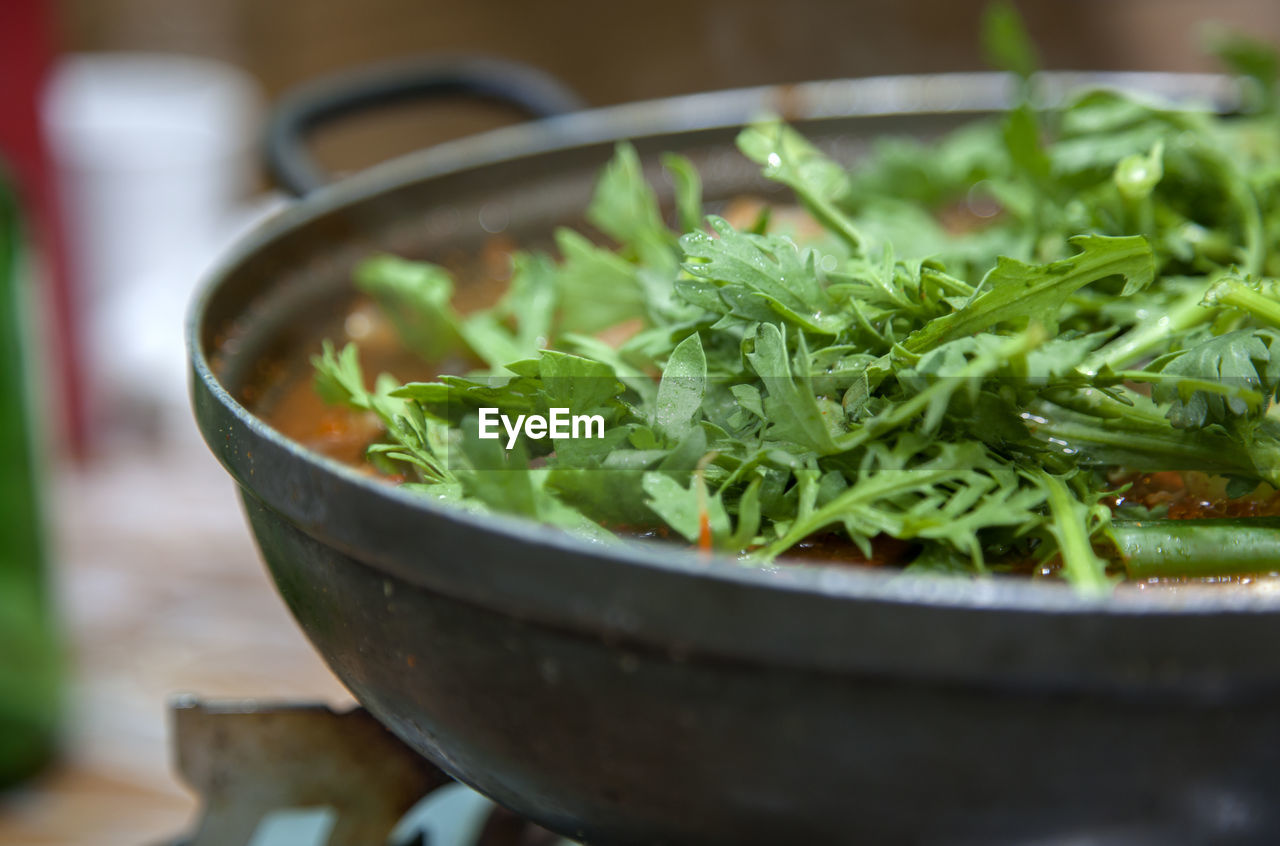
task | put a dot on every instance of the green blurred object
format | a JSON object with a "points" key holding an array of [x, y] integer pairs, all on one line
{"points": [[30, 665]]}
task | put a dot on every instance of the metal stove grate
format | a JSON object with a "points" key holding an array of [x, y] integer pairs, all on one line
{"points": [[284, 774]]}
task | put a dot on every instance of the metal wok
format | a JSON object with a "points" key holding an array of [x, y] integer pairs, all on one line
{"points": [[641, 695]]}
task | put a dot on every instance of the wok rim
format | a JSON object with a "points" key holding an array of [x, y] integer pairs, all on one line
{"points": [[666, 116]]}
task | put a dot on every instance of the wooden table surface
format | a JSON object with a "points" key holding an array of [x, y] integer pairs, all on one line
{"points": [[162, 592]]}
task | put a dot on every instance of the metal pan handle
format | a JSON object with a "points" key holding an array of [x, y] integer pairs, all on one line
{"points": [[301, 112]]}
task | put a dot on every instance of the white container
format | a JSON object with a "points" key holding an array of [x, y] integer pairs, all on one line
{"points": [[156, 155]]}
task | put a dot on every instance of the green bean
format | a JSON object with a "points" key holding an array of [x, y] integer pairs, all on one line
{"points": [[1211, 547]]}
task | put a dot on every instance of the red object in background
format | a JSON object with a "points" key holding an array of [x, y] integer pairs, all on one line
{"points": [[26, 57]]}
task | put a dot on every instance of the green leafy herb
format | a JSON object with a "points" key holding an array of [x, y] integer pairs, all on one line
{"points": [[959, 350], [1006, 42]]}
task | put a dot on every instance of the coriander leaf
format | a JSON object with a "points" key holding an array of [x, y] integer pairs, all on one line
{"points": [[818, 182], [633, 377], [749, 516], [1022, 138], [595, 288], [683, 385], [624, 206], [454, 396], [339, 379], [504, 481], [612, 497], [530, 302], [790, 406], [1005, 41], [682, 508], [419, 442], [688, 188], [416, 296], [760, 277], [748, 396], [1223, 377], [574, 382]]}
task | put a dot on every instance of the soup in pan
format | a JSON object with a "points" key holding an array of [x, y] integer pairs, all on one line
{"points": [[1046, 344]]}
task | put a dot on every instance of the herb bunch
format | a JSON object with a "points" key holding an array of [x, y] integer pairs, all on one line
{"points": [[1110, 302]]}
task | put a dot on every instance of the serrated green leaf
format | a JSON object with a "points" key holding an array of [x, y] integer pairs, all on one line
{"points": [[688, 188], [1015, 292], [1005, 41], [683, 385], [1239, 362]]}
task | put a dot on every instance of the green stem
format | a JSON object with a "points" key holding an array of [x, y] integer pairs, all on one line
{"points": [[1246, 201], [1255, 238], [1142, 442], [1158, 548], [1070, 527], [1238, 294], [1151, 335], [955, 287], [832, 219], [1252, 397]]}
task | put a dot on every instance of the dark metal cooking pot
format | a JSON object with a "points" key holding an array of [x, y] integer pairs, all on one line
{"points": [[639, 694]]}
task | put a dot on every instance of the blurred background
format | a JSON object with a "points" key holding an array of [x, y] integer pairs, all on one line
{"points": [[129, 143]]}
